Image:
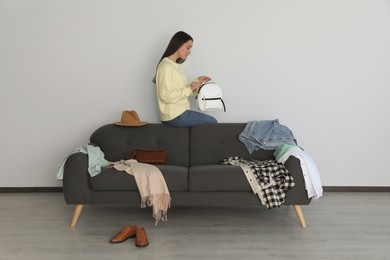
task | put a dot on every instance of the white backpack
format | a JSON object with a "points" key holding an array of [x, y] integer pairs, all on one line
{"points": [[209, 97]]}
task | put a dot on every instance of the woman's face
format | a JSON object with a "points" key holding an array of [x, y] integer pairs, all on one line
{"points": [[185, 50]]}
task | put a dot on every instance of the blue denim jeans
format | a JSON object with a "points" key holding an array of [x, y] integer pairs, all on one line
{"points": [[190, 118], [266, 135]]}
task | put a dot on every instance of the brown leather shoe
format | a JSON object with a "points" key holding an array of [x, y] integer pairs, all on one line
{"points": [[125, 233], [141, 238]]}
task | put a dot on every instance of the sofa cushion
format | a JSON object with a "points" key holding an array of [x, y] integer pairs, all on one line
{"points": [[210, 144], [217, 178], [176, 178], [115, 141]]}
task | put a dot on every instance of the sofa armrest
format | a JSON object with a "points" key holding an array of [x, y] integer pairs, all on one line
{"points": [[76, 179], [298, 194]]}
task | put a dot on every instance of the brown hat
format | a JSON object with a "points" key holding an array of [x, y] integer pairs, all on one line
{"points": [[130, 118]]}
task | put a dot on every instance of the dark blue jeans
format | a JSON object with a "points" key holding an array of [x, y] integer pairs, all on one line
{"points": [[190, 118]]}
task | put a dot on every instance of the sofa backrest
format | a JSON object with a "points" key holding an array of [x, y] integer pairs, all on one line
{"points": [[210, 144], [114, 141]]}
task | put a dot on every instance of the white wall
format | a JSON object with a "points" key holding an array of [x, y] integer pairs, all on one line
{"points": [[321, 67]]}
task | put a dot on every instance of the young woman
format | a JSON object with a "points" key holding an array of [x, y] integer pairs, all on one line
{"points": [[173, 90]]}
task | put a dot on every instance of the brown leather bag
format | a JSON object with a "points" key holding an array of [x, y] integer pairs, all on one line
{"points": [[156, 156]]}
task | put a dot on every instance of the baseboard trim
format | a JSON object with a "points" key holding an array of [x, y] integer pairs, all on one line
{"points": [[356, 189], [326, 189], [29, 189]]}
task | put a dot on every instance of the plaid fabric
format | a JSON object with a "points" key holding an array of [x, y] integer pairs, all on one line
{"points": [[272, 179]]}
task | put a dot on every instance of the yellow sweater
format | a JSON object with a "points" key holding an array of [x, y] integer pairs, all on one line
{"points": [[172, 90]]}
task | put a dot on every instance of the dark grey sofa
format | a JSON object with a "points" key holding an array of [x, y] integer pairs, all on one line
{"points": [[193, 172]]}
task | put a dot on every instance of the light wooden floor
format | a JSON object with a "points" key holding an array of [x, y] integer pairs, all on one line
{"points": [[339, 226]]}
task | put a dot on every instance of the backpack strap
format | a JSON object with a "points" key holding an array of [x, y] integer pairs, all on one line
{"points": [[224, 107], [201, 88]]}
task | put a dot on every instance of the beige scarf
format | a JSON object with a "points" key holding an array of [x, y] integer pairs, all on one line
{"points": [[151, 185]]}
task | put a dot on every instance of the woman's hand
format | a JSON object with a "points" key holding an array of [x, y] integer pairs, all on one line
{"points": [[203, 79], [195, 85]]}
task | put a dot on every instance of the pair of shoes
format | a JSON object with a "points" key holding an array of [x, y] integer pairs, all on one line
{"points": [[124, 234], [141, 239]]}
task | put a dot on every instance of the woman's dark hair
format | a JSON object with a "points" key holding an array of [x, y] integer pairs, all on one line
{"points": [[177, 40]]}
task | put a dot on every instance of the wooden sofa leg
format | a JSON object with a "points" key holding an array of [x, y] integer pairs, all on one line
{"points": [[299, 213], [76, 214]]}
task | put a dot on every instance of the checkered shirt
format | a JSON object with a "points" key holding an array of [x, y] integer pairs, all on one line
{"points": [[269, 179]]}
